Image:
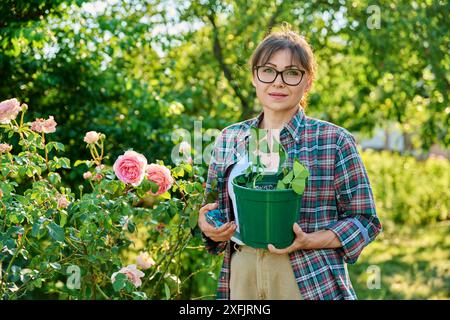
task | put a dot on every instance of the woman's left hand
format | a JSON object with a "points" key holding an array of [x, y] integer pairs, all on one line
{"points": [[322, 239], [301, 241]]}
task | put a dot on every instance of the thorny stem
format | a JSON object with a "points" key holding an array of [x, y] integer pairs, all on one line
{"points": [[45, 150], [16, 253]]}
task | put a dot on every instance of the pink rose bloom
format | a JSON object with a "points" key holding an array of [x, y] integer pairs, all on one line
{"points": [[133, 274], [46, 126], [9, 109], [87, 175], [161, 176], [98, 177], [91, 137], [144, 261], [4, 147], [63, 202], [130, 167]]}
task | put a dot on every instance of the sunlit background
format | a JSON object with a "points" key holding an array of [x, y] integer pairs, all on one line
{"points": [[137, 70]]}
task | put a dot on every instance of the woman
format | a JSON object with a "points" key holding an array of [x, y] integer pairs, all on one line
{"points": [[338, 216]]}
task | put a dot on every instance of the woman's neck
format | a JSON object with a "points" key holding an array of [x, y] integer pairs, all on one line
{"points": [[276, 120]]}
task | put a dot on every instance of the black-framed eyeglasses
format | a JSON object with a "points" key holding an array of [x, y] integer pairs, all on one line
{"points": [[291, 77]]}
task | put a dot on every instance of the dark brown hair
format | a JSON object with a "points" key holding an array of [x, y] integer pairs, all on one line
{"points": [[285, 38]]}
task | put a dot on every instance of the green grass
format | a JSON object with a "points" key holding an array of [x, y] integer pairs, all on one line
{"points": [[413, 264]]}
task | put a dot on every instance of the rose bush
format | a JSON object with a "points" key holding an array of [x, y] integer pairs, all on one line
{"points": [[123, 237]]}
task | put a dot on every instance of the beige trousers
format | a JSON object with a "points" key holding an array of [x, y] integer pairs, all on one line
{"points": [[257, 274]]}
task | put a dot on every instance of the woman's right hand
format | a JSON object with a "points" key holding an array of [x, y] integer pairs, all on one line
{"points": [[224, 233]]}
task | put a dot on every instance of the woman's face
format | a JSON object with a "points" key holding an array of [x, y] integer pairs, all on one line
{"points": [[293, 94]]}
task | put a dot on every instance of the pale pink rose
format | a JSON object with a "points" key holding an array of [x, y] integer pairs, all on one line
{"points": [[91, 137], [87, 175], [144, 261], [4, 147], [133, 274], [161, 176], [130, 167], [46, 126], [63, 202], [9, 109]]}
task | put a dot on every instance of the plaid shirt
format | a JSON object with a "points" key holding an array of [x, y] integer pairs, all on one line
{"points": [[338, 197]]}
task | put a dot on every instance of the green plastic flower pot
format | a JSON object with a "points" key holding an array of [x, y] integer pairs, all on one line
{"points": [[267, 216]]}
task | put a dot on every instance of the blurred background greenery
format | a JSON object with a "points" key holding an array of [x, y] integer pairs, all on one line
{"points": [[138, 69]]}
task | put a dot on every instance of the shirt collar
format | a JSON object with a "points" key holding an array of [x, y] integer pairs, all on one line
{"points": [[294, 125]]}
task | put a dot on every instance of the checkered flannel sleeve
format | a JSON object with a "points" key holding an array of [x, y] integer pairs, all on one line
{"points": [[358, 224]]}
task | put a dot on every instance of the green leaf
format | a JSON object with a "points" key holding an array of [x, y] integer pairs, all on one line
{"points": [[54, 145], [189, 188], [146, 185], [62, 218], [119, 282], [300, 171], [240, 180], [38, 282], [193, 219], [138, 295], [298, 185], [297, 168], [154, 186], [187, 167], [55, 265], [112, 186], [166, 195], [56, 232], [65, 163], [35, 229], [262, 133], [198, 186], [280, 185], [78, 162], [30, 172], [283, 156], [54, 178], [276, 146], [22, 170], [131, 226], [264, 146], [178, 172], [287, 179], [59, 146], [167, 291]]}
